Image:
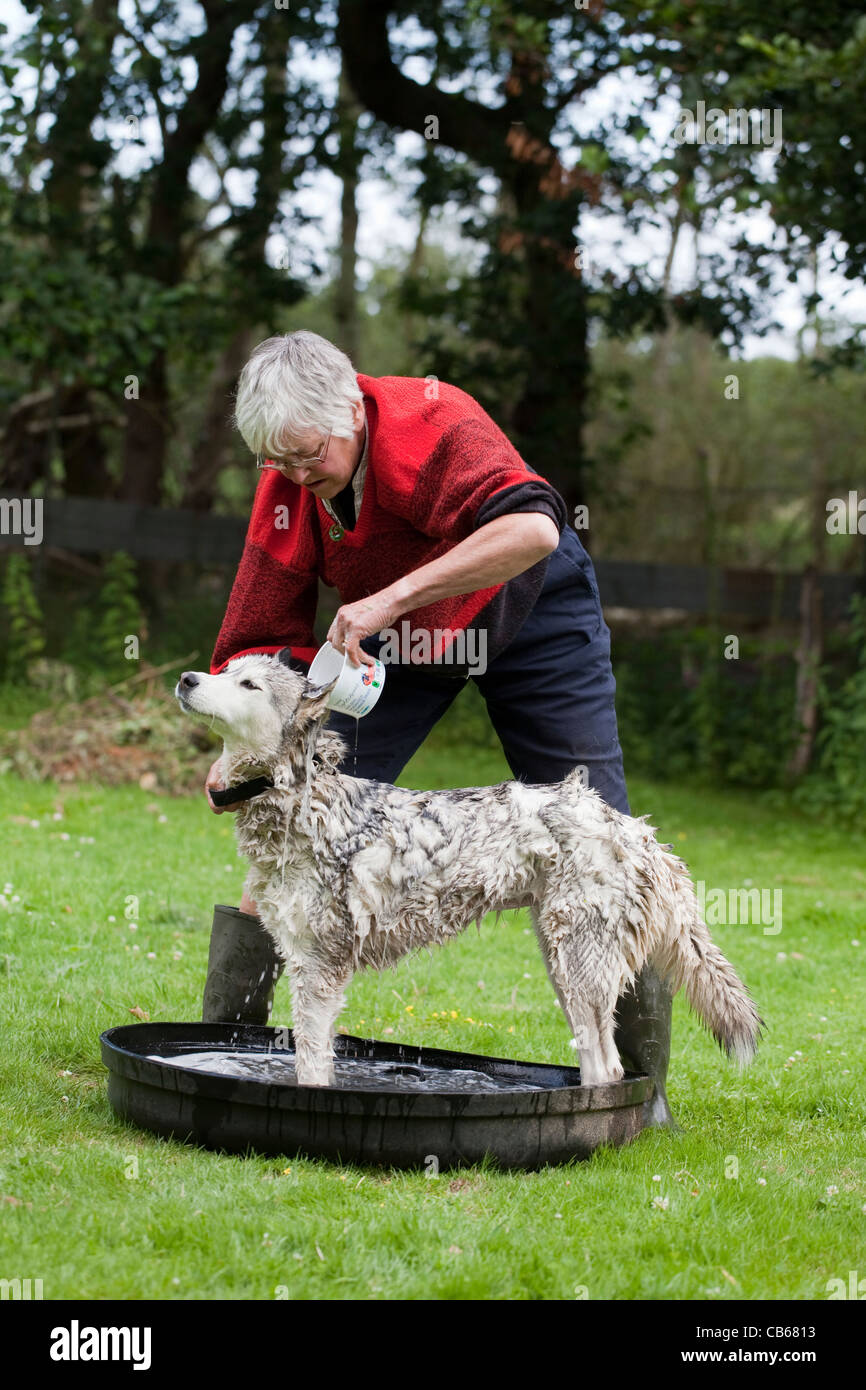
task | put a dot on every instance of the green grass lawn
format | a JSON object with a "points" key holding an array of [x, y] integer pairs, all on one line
{"points": [[761, 1196]]}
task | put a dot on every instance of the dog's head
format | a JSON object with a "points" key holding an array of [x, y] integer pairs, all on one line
{"points": [[260, 707]]}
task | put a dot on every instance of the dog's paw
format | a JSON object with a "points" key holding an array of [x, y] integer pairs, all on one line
{"points": [[315, 1076], [596, 1075]]}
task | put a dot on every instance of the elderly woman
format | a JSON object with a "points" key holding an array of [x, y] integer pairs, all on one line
{"points": [[406, 497]]}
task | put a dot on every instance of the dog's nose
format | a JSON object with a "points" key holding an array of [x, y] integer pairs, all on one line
{"points": [[188, 680]]}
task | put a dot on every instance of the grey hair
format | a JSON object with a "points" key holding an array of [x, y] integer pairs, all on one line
{"points": [[293, 384]]}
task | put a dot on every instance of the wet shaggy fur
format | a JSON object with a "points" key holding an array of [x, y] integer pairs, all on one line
{"points": [[351, 874]]}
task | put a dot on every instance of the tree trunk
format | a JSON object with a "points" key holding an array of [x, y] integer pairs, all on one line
{"points": [[549, 413], [514, 141], [809, 653], [85, 458], [346, 303], [811, 645], [165, 249], [146, 435], [214, 444], [77, 159], [411, 321], [211, 453]]}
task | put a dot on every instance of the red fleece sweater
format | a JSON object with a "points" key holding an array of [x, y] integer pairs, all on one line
{"points": [[436, 471]]}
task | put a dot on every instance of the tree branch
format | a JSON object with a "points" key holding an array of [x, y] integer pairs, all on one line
{"points": [[362, 34], [212, 51]]}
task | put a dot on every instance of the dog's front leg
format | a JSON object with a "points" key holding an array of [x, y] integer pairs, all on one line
{"points": [[318, 998]]}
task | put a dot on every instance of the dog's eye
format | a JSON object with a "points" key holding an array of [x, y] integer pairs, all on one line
{"points": [[249, 685]]}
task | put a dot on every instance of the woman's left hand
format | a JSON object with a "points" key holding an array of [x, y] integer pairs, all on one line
{"points": [[355, 621]]}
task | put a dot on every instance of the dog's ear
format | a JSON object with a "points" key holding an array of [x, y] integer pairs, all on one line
{"points": [[313, 704]]}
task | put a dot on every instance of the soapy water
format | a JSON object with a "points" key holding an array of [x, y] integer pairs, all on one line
{"points": [[351, 1074]]}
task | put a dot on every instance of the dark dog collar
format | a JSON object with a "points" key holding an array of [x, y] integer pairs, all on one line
{"points": [[244, 791]]}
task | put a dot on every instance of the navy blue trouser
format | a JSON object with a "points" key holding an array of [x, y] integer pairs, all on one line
{"points": [[550, 694]]}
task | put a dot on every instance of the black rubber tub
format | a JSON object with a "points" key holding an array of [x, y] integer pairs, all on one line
{"points": [[391, 1104]]}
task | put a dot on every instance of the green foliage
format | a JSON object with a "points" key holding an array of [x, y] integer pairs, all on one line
{"points": [[79, 645], [818, 74], [683, 709], [837, 788], [120, 616], [88, 623], [695, 474], [25, 641], [708, 701], [69, 315], [779, 56], [112, 254]]}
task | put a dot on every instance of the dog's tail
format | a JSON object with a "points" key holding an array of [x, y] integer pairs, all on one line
{"points": [[689, 959]]}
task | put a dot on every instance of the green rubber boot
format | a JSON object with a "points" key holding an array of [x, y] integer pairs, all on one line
{"points": [[242, 969], [643, 1038]]}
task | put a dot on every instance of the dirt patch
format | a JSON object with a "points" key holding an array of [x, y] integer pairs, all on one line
{"points": [[132, 733]]}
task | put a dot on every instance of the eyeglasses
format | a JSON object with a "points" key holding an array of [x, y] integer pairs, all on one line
{"points": [[297, 460]]}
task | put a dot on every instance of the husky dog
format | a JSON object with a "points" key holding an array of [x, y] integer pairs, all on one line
{"points": [[349, 874]]}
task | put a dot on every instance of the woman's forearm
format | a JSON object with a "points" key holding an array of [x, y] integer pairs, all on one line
{"points": [[495, 552]]}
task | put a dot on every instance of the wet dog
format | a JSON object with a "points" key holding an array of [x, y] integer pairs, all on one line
{"points": [[350, 874]]}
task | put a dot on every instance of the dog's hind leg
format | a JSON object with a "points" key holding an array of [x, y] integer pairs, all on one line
{"points": [[586, 996], [592, 1068], [552, 972], [318, 1000], [592, 1022], [610, 1055]]}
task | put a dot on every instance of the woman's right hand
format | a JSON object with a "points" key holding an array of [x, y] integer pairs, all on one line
{"points": [[214, 782]]}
